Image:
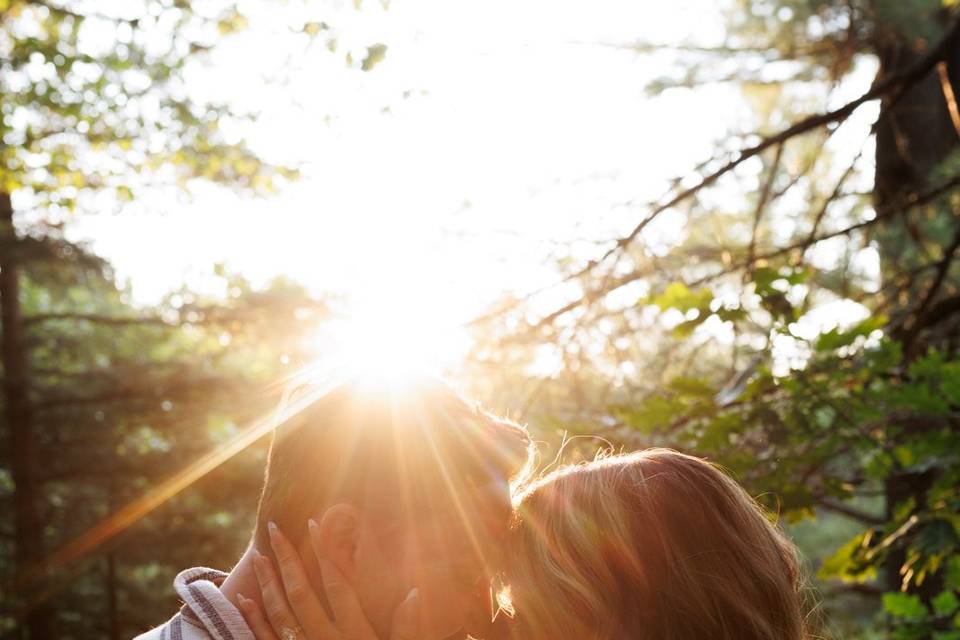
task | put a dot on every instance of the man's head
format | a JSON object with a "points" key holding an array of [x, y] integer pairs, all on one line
{"points": [[409, 485]]}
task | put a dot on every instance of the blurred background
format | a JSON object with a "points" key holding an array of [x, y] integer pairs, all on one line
{"points": [[726, 227]]}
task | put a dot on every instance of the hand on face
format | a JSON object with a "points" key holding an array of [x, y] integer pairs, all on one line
{"points": [[292, 611]]}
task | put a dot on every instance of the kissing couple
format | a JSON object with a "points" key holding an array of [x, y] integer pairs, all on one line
{"points": [[405, 512]]}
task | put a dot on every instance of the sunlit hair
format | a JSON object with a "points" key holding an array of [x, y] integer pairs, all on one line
{"points": [[651, 545], [396, 450]]}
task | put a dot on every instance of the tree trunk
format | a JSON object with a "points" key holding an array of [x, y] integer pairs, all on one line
{"points": [[111, 577], [113, 620], [28, 530], [915, 133]]}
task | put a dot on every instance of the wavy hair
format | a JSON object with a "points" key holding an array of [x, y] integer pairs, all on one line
{"points": [[651, 545]]}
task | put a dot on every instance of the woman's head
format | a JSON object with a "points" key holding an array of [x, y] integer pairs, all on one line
{"points": [[655, 544]]}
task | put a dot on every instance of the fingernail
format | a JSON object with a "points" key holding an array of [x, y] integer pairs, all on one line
{"points": [[272, 526], [258, 566], [312, 524], [241, 599], [414, 594]]}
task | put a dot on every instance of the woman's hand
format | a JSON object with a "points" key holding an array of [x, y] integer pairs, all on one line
{"points": [[292, 611]]}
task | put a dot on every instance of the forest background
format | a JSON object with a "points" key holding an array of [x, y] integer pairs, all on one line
{"points": [[729, 228]]}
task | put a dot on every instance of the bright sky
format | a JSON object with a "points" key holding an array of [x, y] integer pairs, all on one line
{"points": [[521, 133]]}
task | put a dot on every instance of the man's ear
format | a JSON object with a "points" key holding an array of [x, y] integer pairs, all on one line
{"points": [[338, 536]]}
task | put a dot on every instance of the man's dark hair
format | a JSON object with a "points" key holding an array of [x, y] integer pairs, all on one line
{"points": [[395, 451]]}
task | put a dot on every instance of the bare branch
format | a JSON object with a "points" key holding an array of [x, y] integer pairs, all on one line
{"points": [[947, 87], [870, 590], [63, 11], [762, 201], [96, 319], [821, 214], [896, 84], [942, 268], [882, 213], [836, 506], [771, 52], [939, 312], [924, 316]]}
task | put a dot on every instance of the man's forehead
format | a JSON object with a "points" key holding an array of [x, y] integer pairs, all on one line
{"points": [[484, 508]]}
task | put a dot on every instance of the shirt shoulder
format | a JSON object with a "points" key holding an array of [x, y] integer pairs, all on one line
{"points": [[206, 613], [206, 606], [177, 628]]}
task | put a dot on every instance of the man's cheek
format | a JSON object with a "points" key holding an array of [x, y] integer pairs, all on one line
{"points": [[379, 586], [444, 609]]}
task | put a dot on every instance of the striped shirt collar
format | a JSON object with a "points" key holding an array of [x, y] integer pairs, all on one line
{"points": [[206, 607]]}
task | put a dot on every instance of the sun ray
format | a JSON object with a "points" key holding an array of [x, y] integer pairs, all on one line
{"points": [[120, 520], [462, 513]]}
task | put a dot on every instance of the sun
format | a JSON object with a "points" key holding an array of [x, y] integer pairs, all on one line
{"points": [[388, 340]]}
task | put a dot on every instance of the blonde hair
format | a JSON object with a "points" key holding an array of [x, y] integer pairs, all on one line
{"points": [[650, 545]]}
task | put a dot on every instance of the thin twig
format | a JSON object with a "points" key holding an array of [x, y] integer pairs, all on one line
{"points": [[762, 201]]}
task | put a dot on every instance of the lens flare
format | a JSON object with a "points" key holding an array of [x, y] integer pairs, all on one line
{"points": [[382, 343]]}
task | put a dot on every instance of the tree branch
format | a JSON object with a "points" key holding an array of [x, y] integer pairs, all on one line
{"points": [[947, 88], [937, 314], [943, 267], [882, 213], [63, 11], [762, 201], [870, 590], [897, 83], [821, 214], [844, 509], [97, 319]]}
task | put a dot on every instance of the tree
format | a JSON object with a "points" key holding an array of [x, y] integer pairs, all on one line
{"points": [[78, 119], [123, 398]]}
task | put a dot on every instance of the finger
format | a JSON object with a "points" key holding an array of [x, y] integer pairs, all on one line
{"points": [[300, 595], [348, 616], [344, 604], [340, 594], [274, 603], [255, 619], [406, 618]]}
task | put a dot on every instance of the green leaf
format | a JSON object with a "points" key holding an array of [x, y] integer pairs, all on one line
{"points": [[688, 386], [904, 605], [731, 314], [232, 23], [375, 54], [655, 412], [313, 28], [678, 296], [687, 327], [946, 603], [837, 338], [764, 279], [845, 563], [951, 575]]}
